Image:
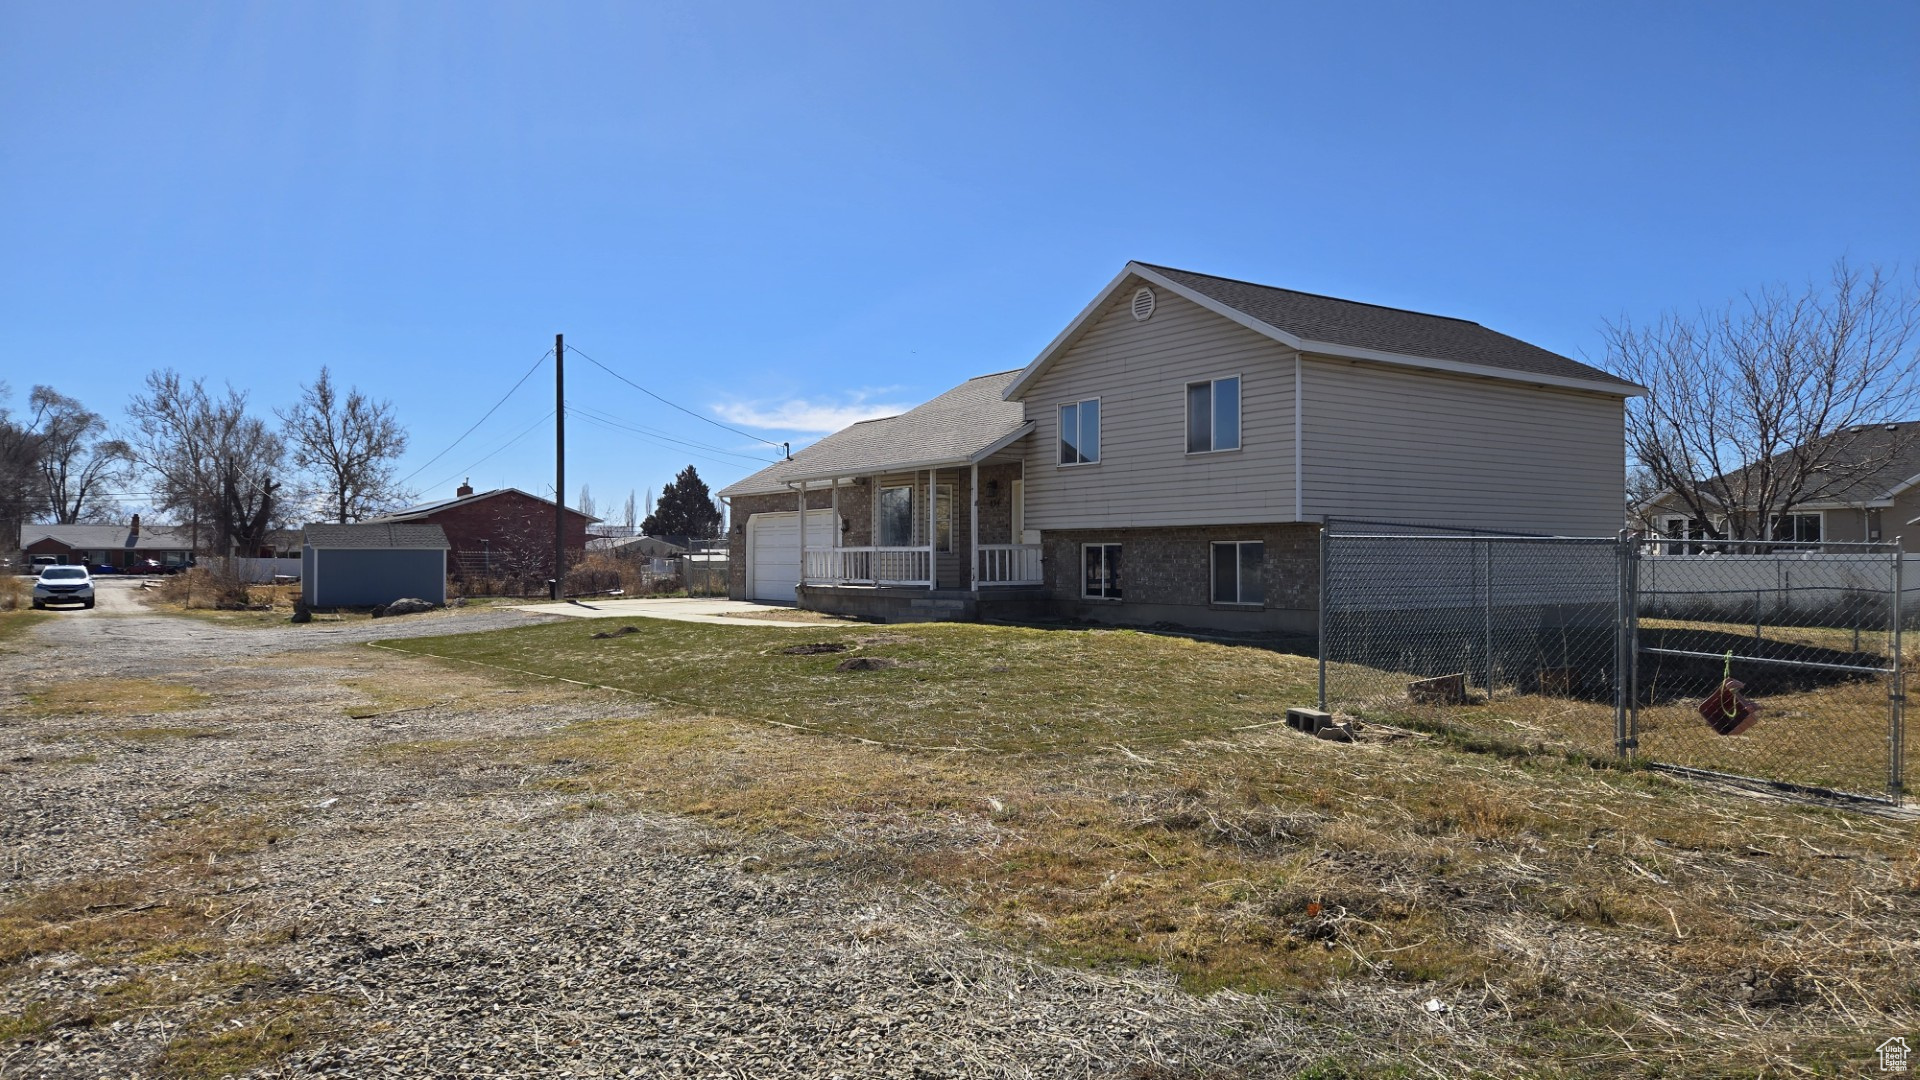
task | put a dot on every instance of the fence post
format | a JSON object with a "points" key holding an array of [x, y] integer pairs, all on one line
{"points": [[1896, 692], [1626, 665], [1322, 643], [1486, 617]]}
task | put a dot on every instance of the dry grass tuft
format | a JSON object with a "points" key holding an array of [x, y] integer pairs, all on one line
{"points": [[16, 593], [113, 697]]}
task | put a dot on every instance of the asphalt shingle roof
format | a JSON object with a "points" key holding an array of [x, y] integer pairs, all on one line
{"points": [[951, 428], [149, 538], [1313, 317], [381, 536]]}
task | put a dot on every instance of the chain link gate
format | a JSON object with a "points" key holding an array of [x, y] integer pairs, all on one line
{"points": [[1617, 646]]}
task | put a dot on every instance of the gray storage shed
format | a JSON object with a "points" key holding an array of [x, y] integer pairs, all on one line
{"points": [[369, 565]]}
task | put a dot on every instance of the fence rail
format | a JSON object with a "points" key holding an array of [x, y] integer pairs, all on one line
{"points": [[1785, 666]]}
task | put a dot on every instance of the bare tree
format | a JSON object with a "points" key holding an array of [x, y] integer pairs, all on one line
{"points": [[19, 474], [630, 517], [347, 446], [208, 459], [1774, 400], [77, 462], [586, 504]]}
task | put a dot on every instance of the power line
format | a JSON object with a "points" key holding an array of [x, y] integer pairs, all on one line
{"points": [[682, 408], [482, 420], [529, 430], [616, 429], [588, 413]]}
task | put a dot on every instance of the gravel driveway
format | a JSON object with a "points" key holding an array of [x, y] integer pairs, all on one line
{"points": [[473, 921]]}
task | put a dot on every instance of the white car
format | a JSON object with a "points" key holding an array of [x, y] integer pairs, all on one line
{"points": [[63, 585]]}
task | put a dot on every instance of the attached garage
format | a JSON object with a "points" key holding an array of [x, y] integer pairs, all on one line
{"points": [[773, 551], [369, 565]]}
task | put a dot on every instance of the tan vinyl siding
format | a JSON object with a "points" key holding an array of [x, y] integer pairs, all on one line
{"points": [[1390, 444], [1145, 477]]}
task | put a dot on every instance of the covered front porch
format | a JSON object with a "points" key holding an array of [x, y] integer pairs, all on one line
{"points": [[943, 528]]}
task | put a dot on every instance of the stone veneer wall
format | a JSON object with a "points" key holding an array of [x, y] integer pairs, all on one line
{"points": [[1165, 576]]}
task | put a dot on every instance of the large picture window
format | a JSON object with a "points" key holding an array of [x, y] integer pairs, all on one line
{"points": [[1236, 572], [1100, 571], [1080, 432], [1213, 415], [1797, 528]]}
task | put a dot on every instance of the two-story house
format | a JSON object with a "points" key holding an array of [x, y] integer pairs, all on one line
{"points": [[1171, 455]]}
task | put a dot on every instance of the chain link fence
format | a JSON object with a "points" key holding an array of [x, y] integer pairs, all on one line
{"points": [[1759, 661]]}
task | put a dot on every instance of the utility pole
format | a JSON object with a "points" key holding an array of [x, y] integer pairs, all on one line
{"points": [[559, 466]]}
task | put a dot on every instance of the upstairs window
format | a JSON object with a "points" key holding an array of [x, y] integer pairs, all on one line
{"points": [[1080, 432], [1213, 415]]}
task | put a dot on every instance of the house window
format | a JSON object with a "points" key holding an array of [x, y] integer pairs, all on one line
{"points": [[1680, 528], [896, 516], [1080, 432], [1236, 572], [1100, 571], [1797, 528], [1213, 415]]}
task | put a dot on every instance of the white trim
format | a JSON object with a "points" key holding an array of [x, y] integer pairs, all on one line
{"points": [[973, 525], [1902, 488], [1097, 456], [1133, 269], [1239, 419]]}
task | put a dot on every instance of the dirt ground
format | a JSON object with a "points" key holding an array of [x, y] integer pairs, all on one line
{"points": [[212, 867]]}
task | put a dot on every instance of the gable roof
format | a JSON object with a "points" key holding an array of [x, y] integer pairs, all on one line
{"points": [[1870, 464], [965, 425], [377, 536], [1326, 325], [412, 513], [149, 538]]}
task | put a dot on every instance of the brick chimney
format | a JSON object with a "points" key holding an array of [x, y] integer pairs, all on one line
{"points": [[134, 527], [465, 489]]}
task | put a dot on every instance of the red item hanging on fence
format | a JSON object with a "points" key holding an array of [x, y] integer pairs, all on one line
{"points": [[1725, 710]]}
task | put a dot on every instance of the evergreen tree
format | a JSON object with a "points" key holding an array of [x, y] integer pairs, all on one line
{"points": [[685, 508]]}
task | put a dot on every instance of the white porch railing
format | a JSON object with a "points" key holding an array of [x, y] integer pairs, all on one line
{"points": [[1009, 564], [868, 566]]}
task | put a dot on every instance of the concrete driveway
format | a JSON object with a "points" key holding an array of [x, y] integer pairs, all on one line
{"points": [[698, 609]]}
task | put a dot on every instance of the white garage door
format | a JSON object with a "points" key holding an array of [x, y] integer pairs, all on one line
{"points": [[773, 551]]}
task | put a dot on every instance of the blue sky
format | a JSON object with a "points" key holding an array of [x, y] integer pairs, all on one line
{"points": [[786, 216]]}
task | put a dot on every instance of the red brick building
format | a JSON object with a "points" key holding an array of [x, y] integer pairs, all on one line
{"points": [[500, 533]]}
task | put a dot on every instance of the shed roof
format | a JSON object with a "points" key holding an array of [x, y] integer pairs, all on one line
{"points": [[963, 425], [379, 536]]}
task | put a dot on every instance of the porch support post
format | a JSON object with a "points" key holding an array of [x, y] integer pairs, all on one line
{"points": [[933, 526], [803, 535], [973, 520], [838, 571]]}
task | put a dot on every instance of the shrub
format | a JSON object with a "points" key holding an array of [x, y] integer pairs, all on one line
{"points": [[207, 587], [15, 593]]}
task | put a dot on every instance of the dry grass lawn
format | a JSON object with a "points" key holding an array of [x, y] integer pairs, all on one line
{"points": [[1119, 798]]}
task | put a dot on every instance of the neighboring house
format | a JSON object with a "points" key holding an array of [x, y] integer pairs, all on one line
{"points": [[112, 545], [368, 565], [1171, 455], [505, 531], [1869, 491], [636, 547]]}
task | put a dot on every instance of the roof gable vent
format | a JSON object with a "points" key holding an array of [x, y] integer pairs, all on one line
{"points": [[1142, 304]]}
